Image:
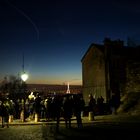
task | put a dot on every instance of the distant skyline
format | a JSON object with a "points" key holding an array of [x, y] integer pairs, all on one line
{"points": [[54, 35]]}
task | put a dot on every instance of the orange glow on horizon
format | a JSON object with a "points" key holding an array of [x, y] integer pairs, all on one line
{"points": [[57, 82]]}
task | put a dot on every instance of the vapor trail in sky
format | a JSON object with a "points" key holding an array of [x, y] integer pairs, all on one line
{"points": [[26, 16]]}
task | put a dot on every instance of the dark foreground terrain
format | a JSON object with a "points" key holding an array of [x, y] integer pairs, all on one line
{"points": [[96, 130]]}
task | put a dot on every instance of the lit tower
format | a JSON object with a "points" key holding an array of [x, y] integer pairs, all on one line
{"points": [[68, 88]]}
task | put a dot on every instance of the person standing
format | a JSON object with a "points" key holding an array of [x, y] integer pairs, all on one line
{"points": [[67, 110], [91, 104], [114, 103], [58, 104], [37, 106], [5, 115], [79, 104]]}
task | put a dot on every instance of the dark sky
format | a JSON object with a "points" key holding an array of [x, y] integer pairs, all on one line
{"points": [[55, 34]]}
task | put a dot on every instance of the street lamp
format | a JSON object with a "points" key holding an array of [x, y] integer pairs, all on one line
{"points": [[24, 77]]}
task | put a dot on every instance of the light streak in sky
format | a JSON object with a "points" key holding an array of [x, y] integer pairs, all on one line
{"points": [[26, 16]]}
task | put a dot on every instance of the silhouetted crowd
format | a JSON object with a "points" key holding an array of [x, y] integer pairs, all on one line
{"points": [[54, 107], [98, 107], [50, 108]]}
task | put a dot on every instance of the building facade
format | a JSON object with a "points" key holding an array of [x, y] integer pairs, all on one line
{"points": [[103, 70]]}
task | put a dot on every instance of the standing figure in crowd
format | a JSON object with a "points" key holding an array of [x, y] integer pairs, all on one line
{"points": [[57, 109], [114, 103], [37, 105], [17, 109], [5, 115], [67, 110], [48, 108], [100, 105], [42, 109], [92, 104], [79, 104]]}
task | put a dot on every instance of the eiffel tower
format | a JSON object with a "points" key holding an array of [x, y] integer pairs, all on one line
{"points": [[68, 89]]}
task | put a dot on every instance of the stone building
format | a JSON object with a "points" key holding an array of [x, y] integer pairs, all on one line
{"points": [[132, 70], [107, 69], [93, 72]]}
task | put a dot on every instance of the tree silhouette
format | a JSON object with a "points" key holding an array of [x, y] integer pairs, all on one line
{"points": [[13, 86]]}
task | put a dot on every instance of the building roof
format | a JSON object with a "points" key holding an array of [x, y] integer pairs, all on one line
{"points": [[116, 48], [100, 47]]}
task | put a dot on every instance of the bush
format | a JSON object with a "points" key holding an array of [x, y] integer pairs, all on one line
{"points": [[129, 101]]}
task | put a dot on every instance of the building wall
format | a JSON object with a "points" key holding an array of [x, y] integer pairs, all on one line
{"points": [[133, 77], [93, 74], [112, 70], [117, 74]]}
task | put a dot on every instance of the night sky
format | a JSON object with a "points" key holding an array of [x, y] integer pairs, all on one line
{"points": [[55, 34]]}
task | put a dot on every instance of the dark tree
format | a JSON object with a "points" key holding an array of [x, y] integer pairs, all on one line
{"points": [[13, 87]]}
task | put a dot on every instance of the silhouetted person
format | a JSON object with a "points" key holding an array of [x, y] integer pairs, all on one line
{"points": [[67, 110], [37, 105], [31, 109], [100, 105], [114, 103], [78, 108], [48, 108], [5, 115], [91, 104], [42, 109], [57, 104], [17, 109]]}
